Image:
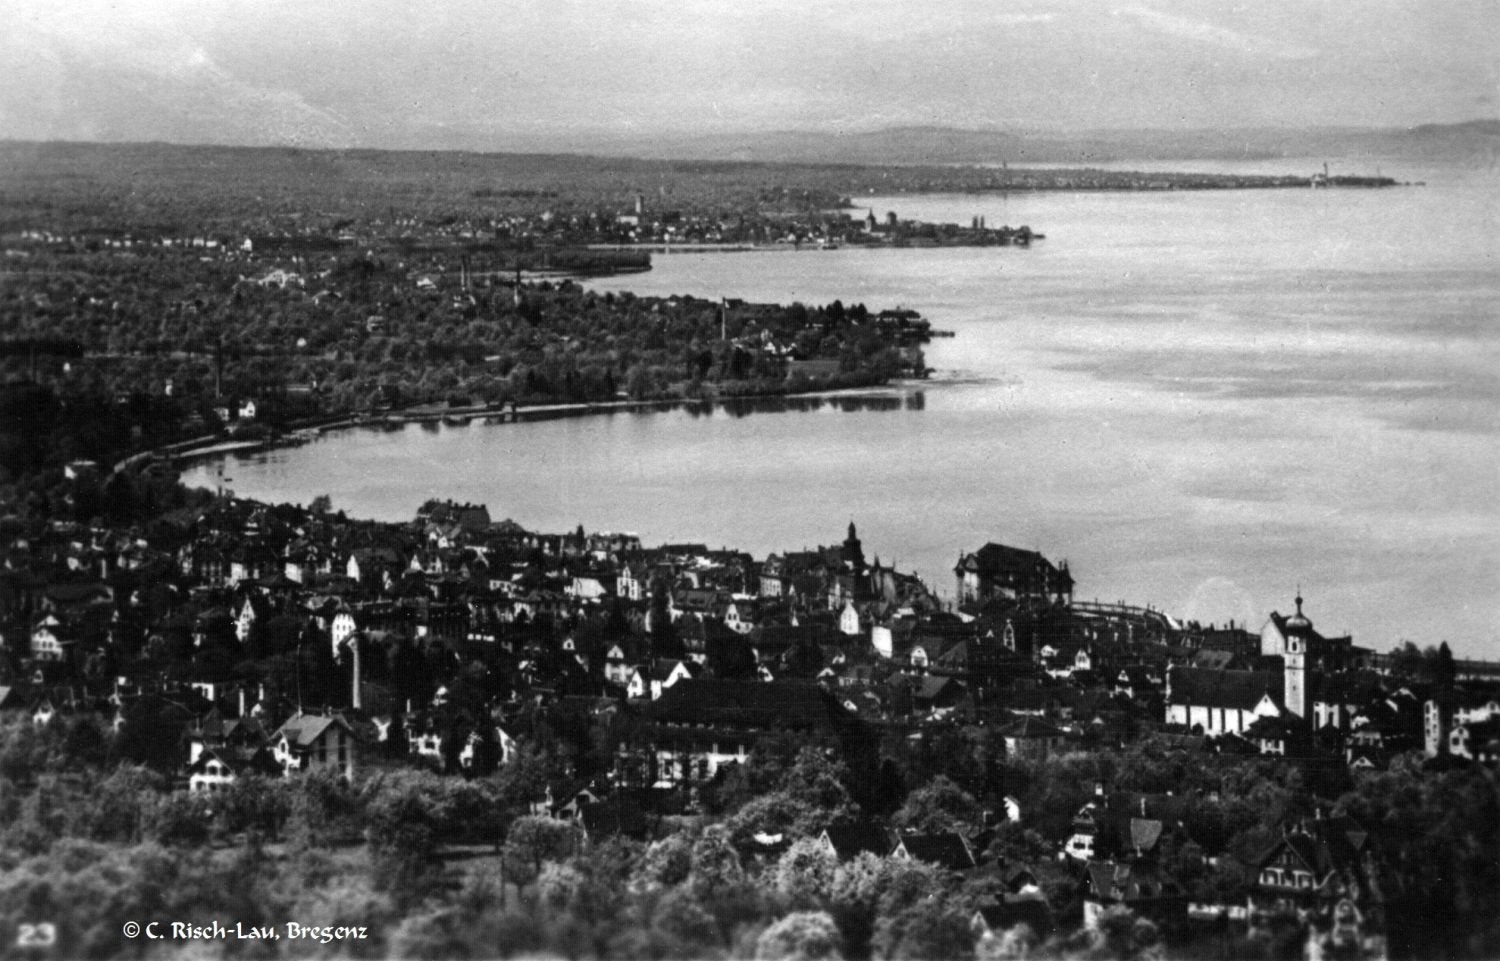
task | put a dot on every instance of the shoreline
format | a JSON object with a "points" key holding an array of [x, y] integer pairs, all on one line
{"points": [[200, 449]]}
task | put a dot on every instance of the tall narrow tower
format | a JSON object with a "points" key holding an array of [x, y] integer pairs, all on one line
{"points": [[854, 554], [1294, 662]]}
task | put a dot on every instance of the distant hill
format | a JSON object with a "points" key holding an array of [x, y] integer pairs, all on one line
{"points": [[948, 145]]}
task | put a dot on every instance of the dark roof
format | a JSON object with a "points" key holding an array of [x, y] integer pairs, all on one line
{"points": [[303, 730], [933, 688], [851, 840], [237, 760], [661, 669], [753, 704], [946, 850], [1271, 729], [1240, 690], [1324, 846], [1031, 910], [1127, 883], [995, 558], [1213, 659]]}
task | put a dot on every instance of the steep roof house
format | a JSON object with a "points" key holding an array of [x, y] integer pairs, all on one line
{"points": [[997, 571], [848, 841], [1138, 886], [309, 741], [1326, 874], [946, 849]]}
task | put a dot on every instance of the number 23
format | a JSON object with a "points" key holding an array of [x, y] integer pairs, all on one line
{"points": [[36, 936]]}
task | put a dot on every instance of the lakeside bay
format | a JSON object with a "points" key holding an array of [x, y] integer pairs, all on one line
{"points": [[1200, 400]]}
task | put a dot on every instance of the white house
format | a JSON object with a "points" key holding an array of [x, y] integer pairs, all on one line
{"points": [[656, 677], [308, 741], [850, 622]]}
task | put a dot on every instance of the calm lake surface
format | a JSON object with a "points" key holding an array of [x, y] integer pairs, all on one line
{"points": [[1200, 400]]}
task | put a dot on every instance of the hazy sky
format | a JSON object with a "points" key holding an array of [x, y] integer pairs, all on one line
{"points": [[492, 73]]}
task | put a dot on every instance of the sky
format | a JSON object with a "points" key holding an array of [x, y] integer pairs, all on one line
{"points": [[498, 74]]}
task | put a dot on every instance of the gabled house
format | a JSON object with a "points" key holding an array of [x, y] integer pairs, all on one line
{"points": [[1031, 737], [50, 640], [591, 587], [310, 741], [1476, 740], [1325, 874], [848, 841], [740, 616], [43, 711], [253, 609], [997, 571], [216, 769], [1123, 826], [620, 662], [652, 679], [1028, 907], [851, 623], [947, 850], [633, 581], [937, 696], [1138, 886]]}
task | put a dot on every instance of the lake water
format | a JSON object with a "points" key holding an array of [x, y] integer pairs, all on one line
{"points": [[1200, 400]]}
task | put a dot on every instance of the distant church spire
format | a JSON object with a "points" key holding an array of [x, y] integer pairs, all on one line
{"points": [[854, 554]]}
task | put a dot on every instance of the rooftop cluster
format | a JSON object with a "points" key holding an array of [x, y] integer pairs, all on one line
{"points": [[786, 725]]}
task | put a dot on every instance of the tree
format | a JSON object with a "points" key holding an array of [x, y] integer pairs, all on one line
{"points": [[1014, 844], [255, 805], [689, 928], [152, 734], [869, 887], [402, 818], [664, 864], [808, 797], [931, 928], [1439, 853], [533, 841], [319, 805], [177, 819], [804, 875], [939, 806], [640, 382], [117, 807], [800, 936], [716, 865], [1121, 934]]}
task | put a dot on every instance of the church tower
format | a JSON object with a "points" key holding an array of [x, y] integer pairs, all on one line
{"points": [[1294, 661], [854, 554]]}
